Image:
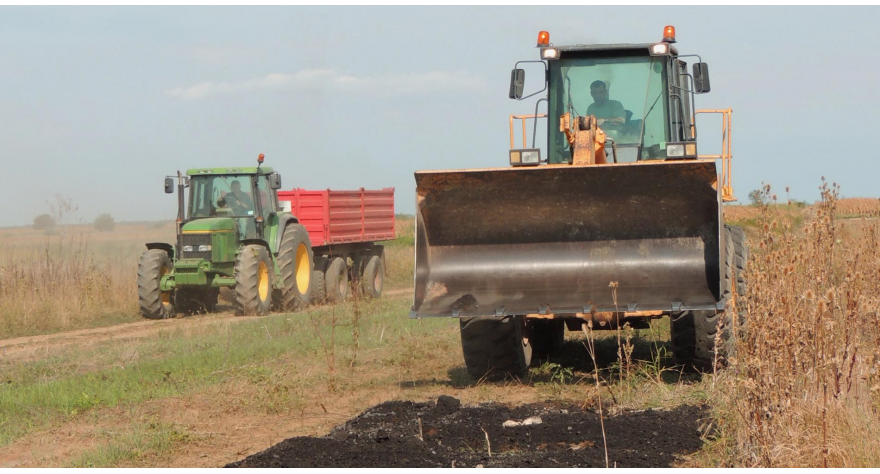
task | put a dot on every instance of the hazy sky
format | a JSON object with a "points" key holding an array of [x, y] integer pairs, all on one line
{"points": [[99, 104]]}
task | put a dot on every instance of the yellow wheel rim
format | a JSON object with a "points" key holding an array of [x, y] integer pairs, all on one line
{"points": [[165, 295], [303, 272], [263, 283]]}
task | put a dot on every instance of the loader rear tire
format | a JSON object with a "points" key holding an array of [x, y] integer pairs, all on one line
{"points": [[546, 336], [296, 263], [373, 279], [694, 333], [254, 274], [154, 303], [495, 347], [336, 281]]}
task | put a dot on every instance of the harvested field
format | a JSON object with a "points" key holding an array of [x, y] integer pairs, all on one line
{"points": [[443, 433]]}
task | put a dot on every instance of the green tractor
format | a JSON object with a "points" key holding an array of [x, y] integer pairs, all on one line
{"points": [[232, 234]]}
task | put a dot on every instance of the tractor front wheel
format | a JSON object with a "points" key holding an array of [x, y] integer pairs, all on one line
{"points": [[154, 303], [254, 274]]}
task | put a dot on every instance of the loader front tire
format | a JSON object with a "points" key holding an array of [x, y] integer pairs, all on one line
{"points": [[254, 274], [154, 303], [694, 333], [495, 347], [296, 263]]}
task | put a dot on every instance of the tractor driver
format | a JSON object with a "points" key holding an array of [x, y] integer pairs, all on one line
{"points": [[609, 113], [240, 203]]}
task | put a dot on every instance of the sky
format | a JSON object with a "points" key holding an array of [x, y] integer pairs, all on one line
{"points": [[99, 104]]}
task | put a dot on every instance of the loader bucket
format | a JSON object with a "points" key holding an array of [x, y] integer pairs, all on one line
{"points": [[550, 239]]}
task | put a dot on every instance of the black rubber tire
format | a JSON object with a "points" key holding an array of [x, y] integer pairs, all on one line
{"points": [[373, 279], [295, 294], [494, 348], [336, 281], [154, 303], [546, 336], [248, 300], [693, 333]]}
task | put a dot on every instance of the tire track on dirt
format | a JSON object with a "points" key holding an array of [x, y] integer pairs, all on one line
{"points": [[22, 347]]}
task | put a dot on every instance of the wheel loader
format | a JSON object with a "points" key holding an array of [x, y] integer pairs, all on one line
{"points": [[615, 220], [233, 234]]}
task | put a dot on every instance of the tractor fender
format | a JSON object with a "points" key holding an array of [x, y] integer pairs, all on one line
{"points": [[283, 220], [259, 242], [162, 246]]}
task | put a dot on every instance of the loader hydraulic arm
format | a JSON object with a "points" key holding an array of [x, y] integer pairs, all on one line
{"points": [[586, 139]]}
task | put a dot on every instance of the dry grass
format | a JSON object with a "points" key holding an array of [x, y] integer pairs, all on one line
{"points": [[857, 207], [804, 387], [79, 278]]}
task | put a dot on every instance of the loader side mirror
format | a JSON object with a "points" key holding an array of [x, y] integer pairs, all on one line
{"points": [[701, 78], [169, 185], [275, 181], [517, 82]]}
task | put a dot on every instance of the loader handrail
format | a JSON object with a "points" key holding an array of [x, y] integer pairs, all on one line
{"points": [[522, 118], [726, 151]]}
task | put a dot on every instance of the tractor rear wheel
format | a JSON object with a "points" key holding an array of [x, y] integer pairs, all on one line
{"points": [[295, 261], [495, 347], [254, 274], [546, 336], [336, 280], [694, 333], [154, 303], [373, 278]]}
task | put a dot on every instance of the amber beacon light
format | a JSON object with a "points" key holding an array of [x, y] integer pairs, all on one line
{"points": [[669, 34], [543, 39]]}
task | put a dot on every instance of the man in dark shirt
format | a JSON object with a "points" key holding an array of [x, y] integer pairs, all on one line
{"points": [[609, 113], [240, 203]]}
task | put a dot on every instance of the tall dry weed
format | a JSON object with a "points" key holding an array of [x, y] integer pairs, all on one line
{"points": [[804, 386]]}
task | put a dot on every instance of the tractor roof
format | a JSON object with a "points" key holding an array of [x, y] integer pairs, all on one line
{"points": [[242, 170]]}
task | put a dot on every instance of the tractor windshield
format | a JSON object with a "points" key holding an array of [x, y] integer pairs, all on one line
{"points": [[624, 93], [221, 196]]}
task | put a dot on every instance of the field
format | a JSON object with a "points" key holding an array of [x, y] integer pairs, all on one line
{"points": [[84, 381]]}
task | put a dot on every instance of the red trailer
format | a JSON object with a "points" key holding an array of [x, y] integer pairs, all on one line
{"points": [[343, 228]]}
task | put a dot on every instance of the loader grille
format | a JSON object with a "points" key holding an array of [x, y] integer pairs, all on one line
{"points": [[194, 240]]}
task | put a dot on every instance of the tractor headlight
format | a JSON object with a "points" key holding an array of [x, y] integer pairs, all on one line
{"points": [[204, 248], [187, 248], [549, 53]]}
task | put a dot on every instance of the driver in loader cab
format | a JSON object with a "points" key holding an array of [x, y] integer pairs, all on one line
{"points": [[610, 114]]}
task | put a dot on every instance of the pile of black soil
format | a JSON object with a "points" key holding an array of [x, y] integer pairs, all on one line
{"points": [[446, 434]]}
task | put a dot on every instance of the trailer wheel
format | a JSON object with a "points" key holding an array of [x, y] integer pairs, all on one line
{"points": [[254, 274], [373, 279], [694, 332], [495, 347], [546, 336], [295, 261], [154, 303], [336, 280]]}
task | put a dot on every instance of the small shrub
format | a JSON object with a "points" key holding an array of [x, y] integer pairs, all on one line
{"points": [[105, 223], [44, 222]]}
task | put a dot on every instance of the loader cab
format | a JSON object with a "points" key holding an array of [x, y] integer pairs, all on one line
{"points": [[641, 95]]}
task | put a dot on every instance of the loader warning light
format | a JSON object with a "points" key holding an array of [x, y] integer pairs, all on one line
{"points": [[543, 39], [669, 34], [261, 158]]}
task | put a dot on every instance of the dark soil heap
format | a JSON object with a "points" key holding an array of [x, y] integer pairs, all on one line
{"points": [[445, 434]]}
